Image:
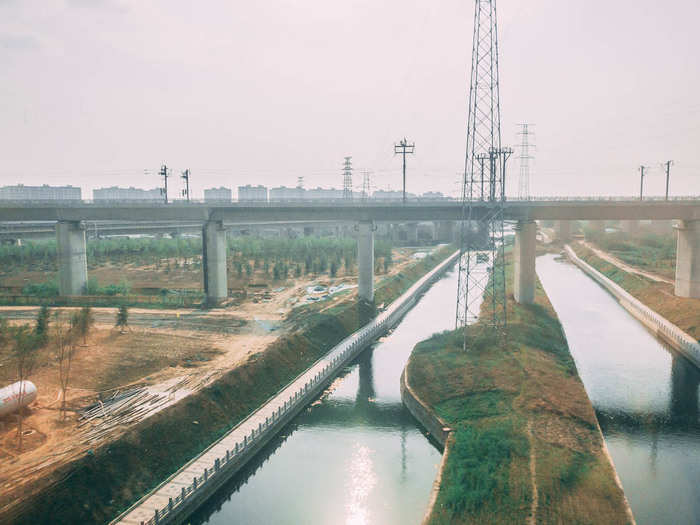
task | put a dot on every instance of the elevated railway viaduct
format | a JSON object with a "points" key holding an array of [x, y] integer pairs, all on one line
{"points": [[70, 220]]}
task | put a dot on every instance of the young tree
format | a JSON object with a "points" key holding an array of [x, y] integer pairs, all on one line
{"points": [[334, 269], [122, 318], [64, 341], [24, 352], [41, 328], [84, 322]]}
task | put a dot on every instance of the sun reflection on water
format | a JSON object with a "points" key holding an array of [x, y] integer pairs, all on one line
{"points": [[359, 485]]}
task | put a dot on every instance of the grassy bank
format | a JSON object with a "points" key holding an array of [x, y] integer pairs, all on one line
{"points": [[526, 443], [106, 481], [645, 249], [681, 311]]}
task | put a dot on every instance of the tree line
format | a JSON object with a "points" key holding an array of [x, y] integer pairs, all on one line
{"points": [[278, 258]]}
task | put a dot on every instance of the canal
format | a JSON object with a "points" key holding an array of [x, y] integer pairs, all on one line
{"points": [[354, 457], [644, 393]]}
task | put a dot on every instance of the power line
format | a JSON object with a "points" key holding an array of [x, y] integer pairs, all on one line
{"points": [[404, 148]]}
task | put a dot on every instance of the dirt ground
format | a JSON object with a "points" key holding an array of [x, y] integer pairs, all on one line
{"points": [[164, 356]]}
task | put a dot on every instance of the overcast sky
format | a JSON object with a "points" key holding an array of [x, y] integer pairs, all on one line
{"points": [[94, 92]]}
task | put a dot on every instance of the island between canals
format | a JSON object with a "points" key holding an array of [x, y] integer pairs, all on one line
{"points": [[520, 436]]}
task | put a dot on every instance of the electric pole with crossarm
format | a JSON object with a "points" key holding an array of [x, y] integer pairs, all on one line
{"points": [[404, 148]]}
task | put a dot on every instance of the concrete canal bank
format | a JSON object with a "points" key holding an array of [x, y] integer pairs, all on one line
{"points": [[659, 325], [524, 443], [644, 392]]}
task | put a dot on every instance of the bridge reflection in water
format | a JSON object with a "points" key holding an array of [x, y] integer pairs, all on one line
{"points": [[356, 456], [645, 395]]}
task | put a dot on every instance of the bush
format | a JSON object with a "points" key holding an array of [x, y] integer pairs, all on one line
{"points": [[47, 289]]}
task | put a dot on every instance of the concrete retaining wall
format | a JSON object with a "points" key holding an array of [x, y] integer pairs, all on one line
{"points": [[660, 326], [177, 497], [435, 426]]}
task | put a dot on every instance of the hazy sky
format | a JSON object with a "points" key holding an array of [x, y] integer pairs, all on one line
{"points": [[94, 92]]}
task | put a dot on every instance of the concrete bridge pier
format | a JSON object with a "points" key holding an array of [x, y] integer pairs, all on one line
{"points": [[688, 259], [72, 260], [214, 262], [629, 226], [564, 231], [597, 226], [412, 232], [445, 231], [365, 260], [524, 262]]}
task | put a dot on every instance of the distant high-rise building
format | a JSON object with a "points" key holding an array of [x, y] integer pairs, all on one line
{"points": [[433, 195], [392, 195], [20, 192], [282, 193], [117, 194], [326, 194], [217, 194], [250, 193]]}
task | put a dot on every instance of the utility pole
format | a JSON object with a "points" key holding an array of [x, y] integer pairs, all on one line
{"points": [[347, 178], [186, 176], [504, 154], [404, 148], [641, 182], [164, 173], [668, 164]]}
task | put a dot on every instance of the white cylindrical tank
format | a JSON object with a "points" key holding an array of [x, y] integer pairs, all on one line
{"points": [[9, 396]]}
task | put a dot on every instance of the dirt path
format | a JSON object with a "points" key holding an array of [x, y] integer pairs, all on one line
{"points": [[624, 266]]}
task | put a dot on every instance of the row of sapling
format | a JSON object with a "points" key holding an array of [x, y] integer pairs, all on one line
{"points": [[23, 342], [152, 251]]}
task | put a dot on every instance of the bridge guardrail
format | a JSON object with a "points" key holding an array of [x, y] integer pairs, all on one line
{"points": [[340, 354]]}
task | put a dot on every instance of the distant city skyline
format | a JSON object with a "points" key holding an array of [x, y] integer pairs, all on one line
{"points": [[96, 92]]}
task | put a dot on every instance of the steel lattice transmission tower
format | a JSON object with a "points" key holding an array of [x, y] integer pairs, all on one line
{"points": [[365, 185], [347, 178], [481, 264], [525, 158]]}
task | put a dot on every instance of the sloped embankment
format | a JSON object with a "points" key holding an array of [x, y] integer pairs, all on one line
{"points": [[100, 485], [684, 312], [525, 444]]}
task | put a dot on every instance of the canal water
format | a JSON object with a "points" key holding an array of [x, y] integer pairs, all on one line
{"points": [[356, 456], [644, 393]]}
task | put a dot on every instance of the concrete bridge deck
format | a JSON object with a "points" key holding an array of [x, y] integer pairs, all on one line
{"points": [[686, 209]]}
